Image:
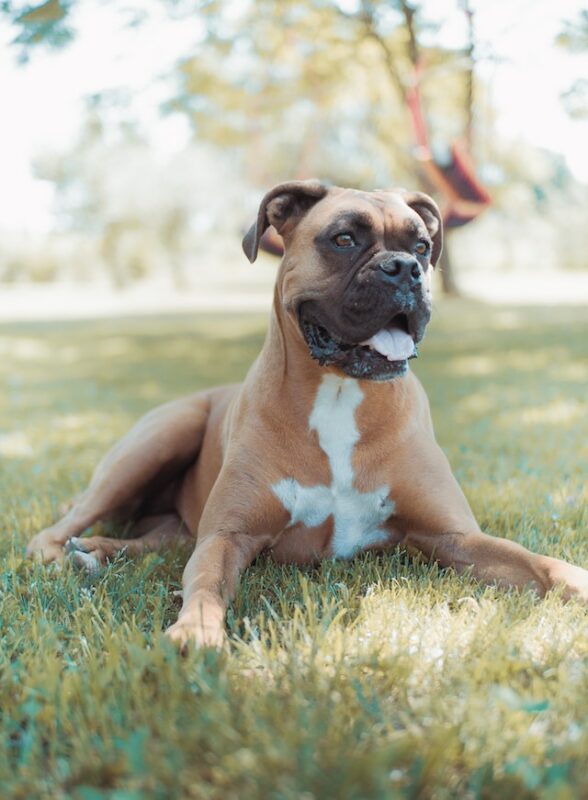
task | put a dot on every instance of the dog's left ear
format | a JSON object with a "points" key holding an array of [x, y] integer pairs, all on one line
{"points": [[283, 207], [429, 212]]}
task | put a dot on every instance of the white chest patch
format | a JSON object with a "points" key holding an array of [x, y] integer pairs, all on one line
{"points": [[357, 515]]}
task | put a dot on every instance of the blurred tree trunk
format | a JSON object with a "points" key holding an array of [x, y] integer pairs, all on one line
{"points": [[448, 282], [469, 76]]}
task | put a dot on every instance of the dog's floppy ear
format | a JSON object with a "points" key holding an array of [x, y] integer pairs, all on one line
{"points": [[282, 207], [429, 212]]}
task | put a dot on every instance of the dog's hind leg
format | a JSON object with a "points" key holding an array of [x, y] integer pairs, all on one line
{"points": [[152, 533], [150, 456]]}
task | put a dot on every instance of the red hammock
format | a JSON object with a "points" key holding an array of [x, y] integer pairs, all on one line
{"points": [[464, 196]]}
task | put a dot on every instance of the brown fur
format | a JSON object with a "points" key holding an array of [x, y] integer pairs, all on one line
{"points": [[201, 468]]}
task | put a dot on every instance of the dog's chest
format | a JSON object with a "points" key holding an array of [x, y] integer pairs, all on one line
{"points": [[358, 517]]}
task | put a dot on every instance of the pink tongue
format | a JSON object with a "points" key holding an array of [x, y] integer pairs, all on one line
{"points": [[393, 343]]}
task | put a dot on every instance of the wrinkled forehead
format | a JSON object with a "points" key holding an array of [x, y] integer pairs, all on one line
{"points": [[379, 211]]}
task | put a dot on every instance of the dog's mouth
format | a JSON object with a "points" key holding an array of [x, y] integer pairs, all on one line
{"points": [[382, 356]]}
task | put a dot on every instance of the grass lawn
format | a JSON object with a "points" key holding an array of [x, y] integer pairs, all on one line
{"points": [[379, 678]]}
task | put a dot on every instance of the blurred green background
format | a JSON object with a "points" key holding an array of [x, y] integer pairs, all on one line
{"points": [[139, 137]]}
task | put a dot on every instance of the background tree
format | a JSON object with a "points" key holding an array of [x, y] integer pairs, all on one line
{"points": [[291, 88], [574, 38], [354, 83], [39, 25]]}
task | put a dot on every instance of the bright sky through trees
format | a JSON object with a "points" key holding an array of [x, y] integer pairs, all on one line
{"points": [[41, 103]]}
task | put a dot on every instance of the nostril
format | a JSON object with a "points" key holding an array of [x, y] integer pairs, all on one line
{"points": [[415, 271], [391, 267]]}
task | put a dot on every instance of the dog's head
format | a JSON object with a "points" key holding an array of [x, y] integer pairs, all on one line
{"points": [[356, 271]]}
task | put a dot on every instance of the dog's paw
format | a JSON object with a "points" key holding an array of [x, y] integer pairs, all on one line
{"points": [[572, 580], [46, 548], [186, 635], [87, 554]]}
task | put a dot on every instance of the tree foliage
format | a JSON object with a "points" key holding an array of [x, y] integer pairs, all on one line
{"points": [[295, 88], [44, 24], [574, 38], [272, 74], [266, 73]]}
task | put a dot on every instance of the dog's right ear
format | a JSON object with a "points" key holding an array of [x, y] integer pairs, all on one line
{"points": [[283, 207], [428, 211]]}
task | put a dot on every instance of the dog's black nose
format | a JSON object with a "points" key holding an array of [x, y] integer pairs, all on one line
{"points": [[401, 268]]}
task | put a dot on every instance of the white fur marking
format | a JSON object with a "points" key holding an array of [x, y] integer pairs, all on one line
{"points": [[357, 515]]}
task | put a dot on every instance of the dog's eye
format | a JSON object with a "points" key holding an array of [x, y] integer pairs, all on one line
{"points": [[344, 240], [421, 247]]}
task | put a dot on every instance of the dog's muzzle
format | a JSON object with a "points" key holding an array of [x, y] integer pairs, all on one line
{"points": [[382, 319]]}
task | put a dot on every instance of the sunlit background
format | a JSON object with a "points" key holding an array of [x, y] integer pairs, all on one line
{"points": [[138, 138]]}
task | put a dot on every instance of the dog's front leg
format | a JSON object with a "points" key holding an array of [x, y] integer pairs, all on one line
{"points": [[241, 518], [210, 581], [439, 522], [501, 561]]}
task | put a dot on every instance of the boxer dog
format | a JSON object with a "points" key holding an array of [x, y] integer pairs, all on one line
{"points": [[327, 448]]}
